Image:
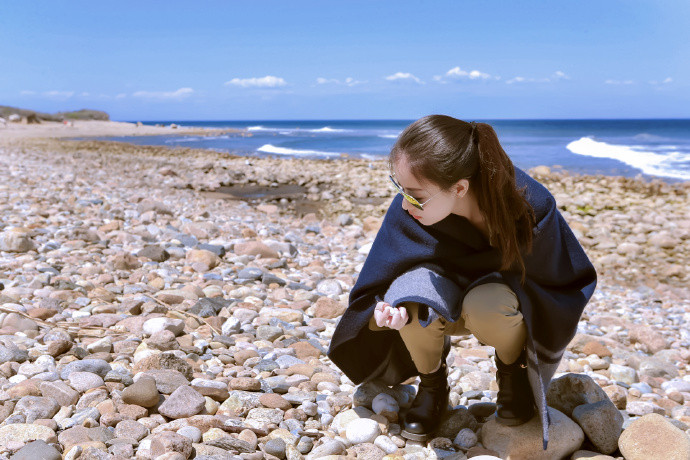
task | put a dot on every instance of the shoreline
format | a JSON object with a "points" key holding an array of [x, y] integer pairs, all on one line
{"points": [[95, 128], [87, 129]]}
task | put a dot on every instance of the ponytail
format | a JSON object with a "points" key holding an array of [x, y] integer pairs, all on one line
{"points": [[508, 214]]}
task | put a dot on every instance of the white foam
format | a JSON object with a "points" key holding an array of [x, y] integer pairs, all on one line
{"points": [[369, 156], [268, 148], [181, 139], [651, 163], [327, 129]]}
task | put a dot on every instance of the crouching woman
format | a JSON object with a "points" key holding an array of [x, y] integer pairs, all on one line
{"points": [[471, 244]]}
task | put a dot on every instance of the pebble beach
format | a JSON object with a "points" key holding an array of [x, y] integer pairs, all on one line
{"points": [[173, 303]]}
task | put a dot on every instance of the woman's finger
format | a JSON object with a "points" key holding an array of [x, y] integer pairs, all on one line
{"points": [[380, 316], [403, 315], [394, 318]]}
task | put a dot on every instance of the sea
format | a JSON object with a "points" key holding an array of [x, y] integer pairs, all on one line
{"points": [[654, 148]]}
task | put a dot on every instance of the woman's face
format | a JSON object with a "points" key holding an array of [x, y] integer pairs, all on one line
{"points": [[441, 202]]}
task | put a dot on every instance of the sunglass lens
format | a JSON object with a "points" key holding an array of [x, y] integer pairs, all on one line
{"points": [[409, 198], [413, 202]]}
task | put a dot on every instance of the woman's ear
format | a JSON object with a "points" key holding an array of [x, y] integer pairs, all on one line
{"points": [[461, 187]]}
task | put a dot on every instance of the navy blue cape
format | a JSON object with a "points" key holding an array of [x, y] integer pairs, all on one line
{"points": [[560, 280]]}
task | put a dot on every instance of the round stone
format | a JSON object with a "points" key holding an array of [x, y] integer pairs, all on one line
{"points": [[384, 403], [190, 432], [275, 447], [362, 430], [84, 381], [466, 438]]}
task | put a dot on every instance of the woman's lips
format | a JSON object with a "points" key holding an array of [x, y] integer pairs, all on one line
{"points": [[416, 217]]}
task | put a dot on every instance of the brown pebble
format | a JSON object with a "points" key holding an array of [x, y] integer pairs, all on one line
{"points": [[243, 355], [304, 350], [248, 436], [274, 401], [245, 384], [594, 347], [297, 414], [29, 387], [677, 397], [143, 393], [325, 377], [132, 411], [307, 386], [49, 422], [41, 313], [617, 395], [111, 419]]}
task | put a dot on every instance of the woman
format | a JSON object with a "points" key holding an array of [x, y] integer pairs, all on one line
{"points": [[471, 245]]}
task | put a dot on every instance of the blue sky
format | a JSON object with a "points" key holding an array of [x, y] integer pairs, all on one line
{"points": [[258, 60]]}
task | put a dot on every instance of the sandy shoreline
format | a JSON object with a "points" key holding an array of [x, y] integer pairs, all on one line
{"points": [[94, 128], [221, 278]]}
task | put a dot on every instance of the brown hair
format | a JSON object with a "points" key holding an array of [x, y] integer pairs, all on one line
{"points": [[444, 150]]}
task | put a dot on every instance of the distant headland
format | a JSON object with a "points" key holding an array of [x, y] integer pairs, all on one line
{"points": [[27, 116]]}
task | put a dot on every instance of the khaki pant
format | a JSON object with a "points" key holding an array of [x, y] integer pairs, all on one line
{"points": [[489, 311]]}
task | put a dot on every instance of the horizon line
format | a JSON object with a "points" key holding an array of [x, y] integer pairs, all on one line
{"points": [[399, 119]]}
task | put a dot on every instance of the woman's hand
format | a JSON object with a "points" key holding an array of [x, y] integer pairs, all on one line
{"points": [[387, 316]]}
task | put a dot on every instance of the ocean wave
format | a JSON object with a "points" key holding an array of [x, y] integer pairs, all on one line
{"points": [[328, 129], [672, 164], [325, 129], [175, 140], [268, 148], [388, 136], [648, 137]]}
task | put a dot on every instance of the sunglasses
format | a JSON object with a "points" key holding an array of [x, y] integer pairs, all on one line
{"points": [[412, 200]]}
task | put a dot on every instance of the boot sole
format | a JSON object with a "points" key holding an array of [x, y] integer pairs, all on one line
{"points": [[513, 421], [413, 436], [422, 436]]}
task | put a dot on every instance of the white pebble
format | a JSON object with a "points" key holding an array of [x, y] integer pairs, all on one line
{"points": [[362, 430], [384, 403], [386, 444]]}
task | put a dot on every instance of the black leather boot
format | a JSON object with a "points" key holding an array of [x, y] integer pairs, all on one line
{"points": [[515, 400], [430, 403]]}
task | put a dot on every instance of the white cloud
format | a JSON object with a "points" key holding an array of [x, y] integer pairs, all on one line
{"points": [[618, 82], [121, 96], [404, 76], [179, 94], [665, 81], [349, 81], [456, 73], [85, 94], [27, 93], [556, 76], [268, 81], [59, 94], [325, 81], [516, 80]]}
